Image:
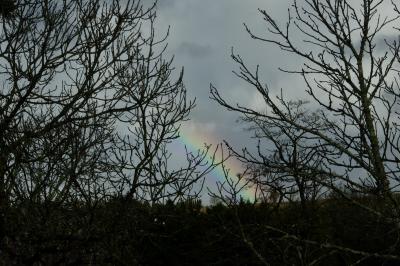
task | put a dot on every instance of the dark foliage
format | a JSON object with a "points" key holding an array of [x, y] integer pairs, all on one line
{"points": [[7, 7], [120, 232]]}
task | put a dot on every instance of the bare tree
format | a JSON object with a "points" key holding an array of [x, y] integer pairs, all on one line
{"points": [[88, 106], [281, 167], [350, 72]]}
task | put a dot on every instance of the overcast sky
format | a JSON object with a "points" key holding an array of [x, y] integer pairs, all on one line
{"points": [[202, 33], [201, 36]]}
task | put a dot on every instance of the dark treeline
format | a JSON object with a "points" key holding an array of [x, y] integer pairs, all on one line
{"points": [[118, 232]]}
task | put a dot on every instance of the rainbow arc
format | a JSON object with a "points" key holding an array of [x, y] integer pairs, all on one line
{"points": [[196, 140]]}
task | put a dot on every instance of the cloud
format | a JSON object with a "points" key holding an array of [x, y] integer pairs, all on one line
{"points": [[383, 41], [198, 127], [165, 4], [194, 50]]}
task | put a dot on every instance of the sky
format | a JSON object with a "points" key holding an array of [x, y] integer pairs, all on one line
{"points": [[202, 33], [201, 36]]}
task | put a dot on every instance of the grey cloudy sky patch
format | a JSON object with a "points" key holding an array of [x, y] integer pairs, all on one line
{"points": [[165, 3], [383, 41], [194, 49], [201, 36]]}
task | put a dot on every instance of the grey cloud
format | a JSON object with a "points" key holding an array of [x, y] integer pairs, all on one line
{"points": [[383, 41], [194, 49], [165, 3]]}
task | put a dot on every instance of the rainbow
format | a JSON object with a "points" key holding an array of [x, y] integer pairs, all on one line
{"points": [[197, 139]]}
